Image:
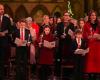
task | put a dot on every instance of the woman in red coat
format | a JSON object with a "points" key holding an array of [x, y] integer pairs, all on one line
{"points": [[47, 50], [92, 34]]}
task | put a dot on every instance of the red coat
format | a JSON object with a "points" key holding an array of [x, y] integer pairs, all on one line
{"points": [[93, 57], [36, 27], [47, 54]]}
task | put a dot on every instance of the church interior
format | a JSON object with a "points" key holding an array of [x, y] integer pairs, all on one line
{"points": [[36, 8], [18, 9]]}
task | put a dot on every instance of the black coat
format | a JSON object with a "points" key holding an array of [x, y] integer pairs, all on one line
{"points": [[60, 31], [5, 25], [16, 34], [75, 45], [64, 48]]}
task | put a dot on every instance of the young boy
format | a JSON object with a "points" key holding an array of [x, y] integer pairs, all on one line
{"points": [[79, 50], [22, 41]]}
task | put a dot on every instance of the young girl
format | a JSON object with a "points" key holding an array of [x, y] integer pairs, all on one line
{"points": [[79, 49], [81, 24], [47, 50]]}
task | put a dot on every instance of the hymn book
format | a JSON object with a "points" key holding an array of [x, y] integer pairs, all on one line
{"points": [[49, 44]]}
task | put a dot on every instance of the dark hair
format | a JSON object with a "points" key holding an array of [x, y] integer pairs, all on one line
{"points": [[78, 31], [22, 20], [66, 12], [81, 19], [90, 12], [46, 26]]}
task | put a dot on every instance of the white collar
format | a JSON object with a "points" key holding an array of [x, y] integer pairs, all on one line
{"points": [[79, 43], [1, 17]]}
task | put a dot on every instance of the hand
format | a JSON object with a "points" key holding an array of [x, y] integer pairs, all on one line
{"points": [[20, 43], [40, 44], [73, 37], [2, 34], [62, 36], [90, 37], [50, 47], [28, 44], [79, 51], [96, 36]]}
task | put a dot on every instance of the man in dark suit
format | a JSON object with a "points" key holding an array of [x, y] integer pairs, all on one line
{"points": [[65, 32], [22, 39], [5, 25]]}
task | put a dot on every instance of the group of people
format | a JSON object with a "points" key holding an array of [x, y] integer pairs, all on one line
{"points": [[51, 42]]}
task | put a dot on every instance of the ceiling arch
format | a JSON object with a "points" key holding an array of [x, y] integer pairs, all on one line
{"points": [[21, 12]]}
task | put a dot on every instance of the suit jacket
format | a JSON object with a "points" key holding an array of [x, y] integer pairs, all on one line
{"points": [[5, 25], [74, 45], [16, 34], [60, 31]]}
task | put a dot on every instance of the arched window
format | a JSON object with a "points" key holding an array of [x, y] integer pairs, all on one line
{"points": [[57, 11], [38, 12], [8, 10], [21, 12]]}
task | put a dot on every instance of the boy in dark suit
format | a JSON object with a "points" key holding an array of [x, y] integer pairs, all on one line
{"points": [[79, 50], [22, 40]]}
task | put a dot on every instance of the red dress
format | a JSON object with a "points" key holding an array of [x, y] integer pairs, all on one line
{"points": [[93, 57], [47, 54]]}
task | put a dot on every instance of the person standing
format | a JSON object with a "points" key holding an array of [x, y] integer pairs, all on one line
{"points": [[47, 52], [81, 24], [22, 39], [5, 25], [91, 33], [32, 55], [65, 33], [79, 50]]}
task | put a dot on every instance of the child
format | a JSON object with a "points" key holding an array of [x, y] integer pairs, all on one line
{"points": [[47, 49], [79, 49], [21, 39], [81, 24]]}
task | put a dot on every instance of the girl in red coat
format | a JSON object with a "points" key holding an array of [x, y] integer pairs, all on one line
{"points": [[47, 50], [92, 34]]}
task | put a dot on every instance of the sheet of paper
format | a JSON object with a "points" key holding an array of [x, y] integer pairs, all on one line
{"points": [[49, 44], [53, 44], [19, 41], [70, 32], [81, 51], [46, 43]]}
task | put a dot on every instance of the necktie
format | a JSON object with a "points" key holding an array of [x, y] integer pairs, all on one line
{"points": [[79, 42], [22, 34]]}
